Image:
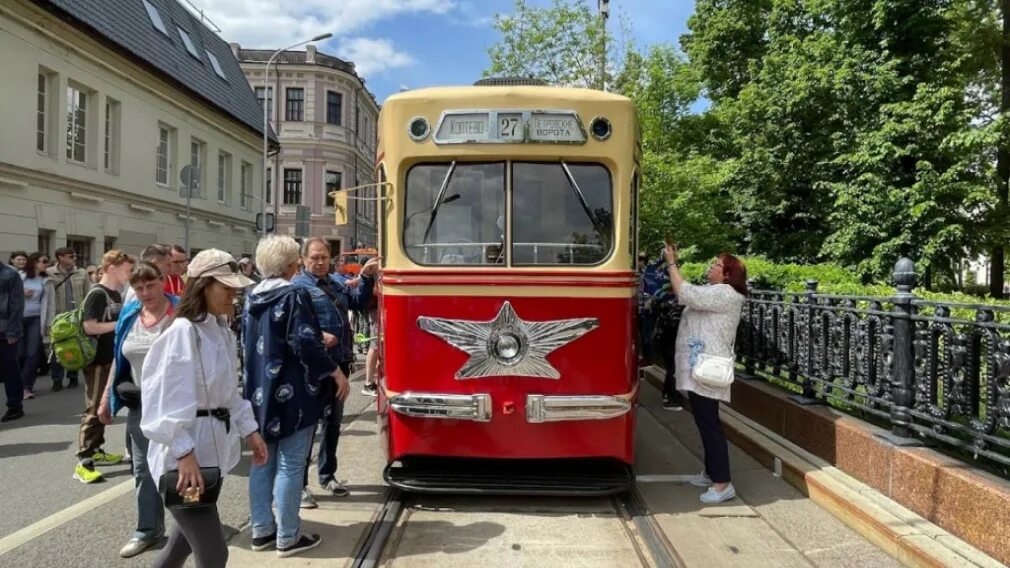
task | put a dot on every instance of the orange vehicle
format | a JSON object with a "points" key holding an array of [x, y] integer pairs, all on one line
{"points": [[352, 259], [507, 301]]}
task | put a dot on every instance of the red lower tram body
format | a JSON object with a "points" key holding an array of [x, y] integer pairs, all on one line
{"points": [[573, 434]]}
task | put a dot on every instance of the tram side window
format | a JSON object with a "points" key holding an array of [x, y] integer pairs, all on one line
{"points": [[556, 222], [465, 225]]}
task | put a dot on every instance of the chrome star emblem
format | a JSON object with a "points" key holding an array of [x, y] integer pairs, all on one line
{"points": [[507, 345]]}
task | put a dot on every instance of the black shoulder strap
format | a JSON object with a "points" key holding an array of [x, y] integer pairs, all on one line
{"points": [[64, 280]]}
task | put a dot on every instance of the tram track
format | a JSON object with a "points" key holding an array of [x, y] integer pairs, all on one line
{"points": [[392, 521]]}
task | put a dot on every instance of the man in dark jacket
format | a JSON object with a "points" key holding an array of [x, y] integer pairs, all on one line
{"points": [[331, 301], [12, 310]]}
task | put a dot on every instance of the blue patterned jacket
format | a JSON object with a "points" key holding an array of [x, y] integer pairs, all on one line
{"points": [[286, 363]]}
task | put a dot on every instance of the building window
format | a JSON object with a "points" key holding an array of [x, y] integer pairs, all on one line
{"points": [[295, 105], [270, 185], [215, 64], [292, 187], [113, 118], [82, 248], [164, 160], [245, 186], [334, 102], [41, 128], [223, 177], [152, 13], [270, 99], [45, 242], [77, 127], [334, 181], [110, 243], [188, 42], [197, 159]]}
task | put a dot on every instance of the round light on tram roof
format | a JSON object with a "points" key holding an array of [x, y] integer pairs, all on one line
{"points": [[600, 128], [507, 347], [419, 128]]}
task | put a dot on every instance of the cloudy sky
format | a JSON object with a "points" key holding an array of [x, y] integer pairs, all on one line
{"points": [[411, 43]]}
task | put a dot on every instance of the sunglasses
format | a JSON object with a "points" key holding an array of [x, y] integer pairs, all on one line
{"points": [[233, 266]]}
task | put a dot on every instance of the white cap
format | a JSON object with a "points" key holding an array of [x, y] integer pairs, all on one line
{"points": [[219, 265]]}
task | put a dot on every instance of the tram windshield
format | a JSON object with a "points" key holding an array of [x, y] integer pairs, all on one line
{"points": [[562, 214]]}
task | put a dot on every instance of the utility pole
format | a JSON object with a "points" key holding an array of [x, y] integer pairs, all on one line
{"points": [[604, 8]]}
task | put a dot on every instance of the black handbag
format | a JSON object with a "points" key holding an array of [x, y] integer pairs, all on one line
{"points": [[129, 393], [169, 481]]}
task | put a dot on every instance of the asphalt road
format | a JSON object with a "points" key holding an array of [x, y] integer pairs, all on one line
{"points": [[37, 459]]}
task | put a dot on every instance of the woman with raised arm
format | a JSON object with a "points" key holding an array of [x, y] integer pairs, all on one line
{"points": [[708, 325]]}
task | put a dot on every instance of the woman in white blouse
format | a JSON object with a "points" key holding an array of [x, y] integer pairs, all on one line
{"points": [[189, 372], [708, 325]]}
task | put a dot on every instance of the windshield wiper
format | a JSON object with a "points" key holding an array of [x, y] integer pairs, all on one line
{"points": [[582, 198], [438, 202]]}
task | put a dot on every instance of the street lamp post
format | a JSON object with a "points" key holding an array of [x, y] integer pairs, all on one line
{"points": [[266, 123], [604, 7]]}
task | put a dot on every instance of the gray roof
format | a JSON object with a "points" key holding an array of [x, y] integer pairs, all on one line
{"points": [[126, 26], [301, 58]]}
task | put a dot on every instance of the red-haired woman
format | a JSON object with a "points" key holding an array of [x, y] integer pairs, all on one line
{"points": [[709, 323]]}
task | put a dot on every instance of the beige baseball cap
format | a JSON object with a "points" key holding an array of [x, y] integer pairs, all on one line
{"points": [[219, 265]]}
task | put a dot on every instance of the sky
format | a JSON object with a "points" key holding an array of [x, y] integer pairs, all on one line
{"points": [[408, 44]]}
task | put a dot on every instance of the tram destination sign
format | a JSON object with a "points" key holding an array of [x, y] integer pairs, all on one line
{"points": [[510, 126]]}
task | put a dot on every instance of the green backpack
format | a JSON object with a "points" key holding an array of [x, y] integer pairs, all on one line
{"points": [[73, 349]]}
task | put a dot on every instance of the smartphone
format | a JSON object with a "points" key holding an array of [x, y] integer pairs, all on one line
{"points": [[669, 239]]}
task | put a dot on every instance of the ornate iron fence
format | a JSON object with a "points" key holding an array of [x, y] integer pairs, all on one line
{"points": [[938, 372]]}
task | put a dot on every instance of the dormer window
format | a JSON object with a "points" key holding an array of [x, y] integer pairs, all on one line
{"points": [[189, 44]]}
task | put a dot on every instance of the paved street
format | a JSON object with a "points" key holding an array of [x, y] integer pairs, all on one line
{"points": [[90, 522], [773, 525]]}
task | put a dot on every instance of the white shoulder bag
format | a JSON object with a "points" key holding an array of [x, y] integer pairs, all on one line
{"points": [[713, 371]]}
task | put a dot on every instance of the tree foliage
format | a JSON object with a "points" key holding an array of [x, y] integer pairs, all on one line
{"points": [[844, 131]]}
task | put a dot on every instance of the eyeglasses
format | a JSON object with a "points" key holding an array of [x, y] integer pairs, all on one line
{"points": [[233, 266]]}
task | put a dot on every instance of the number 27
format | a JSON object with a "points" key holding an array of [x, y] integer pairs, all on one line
{"points": [[508, 126]]}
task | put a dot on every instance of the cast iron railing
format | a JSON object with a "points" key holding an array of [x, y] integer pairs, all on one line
{"points": [[935, 371]]}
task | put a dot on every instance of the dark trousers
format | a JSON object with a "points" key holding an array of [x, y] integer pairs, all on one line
{"points": [[668, 349], [713, 439], [92, 435], [646, 329], [197, 532], [30, 350], [58, 372], [11, 373], [327, 457]]}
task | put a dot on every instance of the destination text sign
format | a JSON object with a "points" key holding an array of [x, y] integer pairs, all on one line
{"points": [[509, 126]]}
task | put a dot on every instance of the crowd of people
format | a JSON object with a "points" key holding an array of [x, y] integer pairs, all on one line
{"points": [[165, 349]]}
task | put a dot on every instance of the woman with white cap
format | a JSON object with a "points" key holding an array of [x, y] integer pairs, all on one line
{"points": [[193, 414]]}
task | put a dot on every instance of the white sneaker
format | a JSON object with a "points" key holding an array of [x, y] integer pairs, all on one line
{"points": [[308, 501], [700, 480], [712, 496]]}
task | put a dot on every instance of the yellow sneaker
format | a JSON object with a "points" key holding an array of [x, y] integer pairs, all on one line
{"points": [[87, 473], [103, 458]]}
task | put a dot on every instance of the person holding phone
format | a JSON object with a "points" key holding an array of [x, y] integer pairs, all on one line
{"points": [[708, 325]]}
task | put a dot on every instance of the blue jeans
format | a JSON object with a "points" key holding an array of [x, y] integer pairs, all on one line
{"points": [[150, 509], [30, 350], [279, 481]]}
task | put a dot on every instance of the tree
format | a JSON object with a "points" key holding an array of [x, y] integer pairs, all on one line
{"points": [[561, 44]]}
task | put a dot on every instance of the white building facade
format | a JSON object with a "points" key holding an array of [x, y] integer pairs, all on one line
{"points": [[102, 111], [326, 121]]}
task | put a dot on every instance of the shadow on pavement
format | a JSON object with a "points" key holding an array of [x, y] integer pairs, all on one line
{"points": [[16, 450]]}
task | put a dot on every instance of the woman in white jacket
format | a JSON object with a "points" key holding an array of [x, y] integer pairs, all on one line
{"points": [[708, 325], [193, 414]]}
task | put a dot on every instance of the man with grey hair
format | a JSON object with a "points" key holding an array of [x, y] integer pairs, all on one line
{"points": [[332, 300]]}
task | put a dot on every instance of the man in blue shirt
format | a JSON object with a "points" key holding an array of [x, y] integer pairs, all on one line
{"points": [[332, 300]]}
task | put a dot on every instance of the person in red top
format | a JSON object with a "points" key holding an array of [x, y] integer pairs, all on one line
{"points": [[174, 284]]}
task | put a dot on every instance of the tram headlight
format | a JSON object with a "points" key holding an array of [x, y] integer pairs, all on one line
{"points": [[600, 128], [507, 347], [419, 128]]}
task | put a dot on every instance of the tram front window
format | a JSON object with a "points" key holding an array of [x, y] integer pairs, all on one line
{"points": [[454, 213], [561, 213]]}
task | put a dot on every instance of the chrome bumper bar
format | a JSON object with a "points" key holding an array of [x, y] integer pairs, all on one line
{"points": [[476, 407], [540, 408]]}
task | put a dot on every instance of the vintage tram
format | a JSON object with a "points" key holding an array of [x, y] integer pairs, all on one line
{"points": [[507, 225]]}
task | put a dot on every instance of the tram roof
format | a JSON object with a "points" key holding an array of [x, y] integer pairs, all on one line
{"points": [[472, 93]]}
